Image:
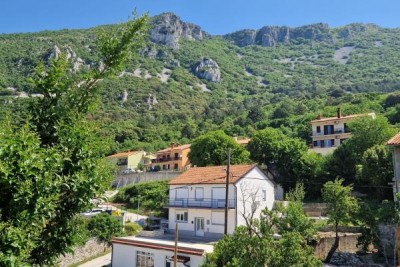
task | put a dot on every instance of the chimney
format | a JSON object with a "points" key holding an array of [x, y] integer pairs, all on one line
{"points": [[339, 113], [235, 137], [319, 116], [172, 145]]}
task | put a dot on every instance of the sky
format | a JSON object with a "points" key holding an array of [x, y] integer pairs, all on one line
{"points": [[214, 16]]}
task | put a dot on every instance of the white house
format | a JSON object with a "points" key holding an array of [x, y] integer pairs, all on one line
{"points": [[394, 145], [197, 198], [146, 252], [197, 204]]}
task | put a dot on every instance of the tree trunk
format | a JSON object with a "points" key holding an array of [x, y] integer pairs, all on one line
{"points": [[334, 247]]}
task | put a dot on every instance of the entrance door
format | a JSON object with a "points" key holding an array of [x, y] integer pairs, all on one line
{"points": [[199, 226]]}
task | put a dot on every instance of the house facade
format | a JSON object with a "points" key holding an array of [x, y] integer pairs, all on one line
{"points": [[196, 206], [174, 158], [394, 145], [197, 198], [329, 133], [128, 162], [146, 252]]}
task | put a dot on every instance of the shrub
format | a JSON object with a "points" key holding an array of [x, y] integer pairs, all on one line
{"points": [[132, 228], [104, 227]]}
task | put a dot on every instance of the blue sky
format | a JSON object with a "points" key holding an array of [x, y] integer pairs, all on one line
{"points": [[214, 16]]}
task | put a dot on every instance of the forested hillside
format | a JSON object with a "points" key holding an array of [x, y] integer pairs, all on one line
{"points": [[187, 82]]}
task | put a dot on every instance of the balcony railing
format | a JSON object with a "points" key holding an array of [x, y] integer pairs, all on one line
{"points": [[201, 203]]}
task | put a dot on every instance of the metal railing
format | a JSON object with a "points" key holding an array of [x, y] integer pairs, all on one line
{"points": [[201, 203]]}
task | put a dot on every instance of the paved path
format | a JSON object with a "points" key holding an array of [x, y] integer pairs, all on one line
{"points": [[98, 262]]}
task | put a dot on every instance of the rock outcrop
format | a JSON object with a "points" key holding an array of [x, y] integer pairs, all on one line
{"points": [[208, 69], [169, 29], [272, 35]]}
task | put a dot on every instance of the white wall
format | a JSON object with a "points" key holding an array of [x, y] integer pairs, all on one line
{"points": [[125, 256], [209, 226], [250, 189], [207, 190]]}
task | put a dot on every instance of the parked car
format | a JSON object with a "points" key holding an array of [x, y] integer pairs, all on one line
{"points": [[93, 212]]}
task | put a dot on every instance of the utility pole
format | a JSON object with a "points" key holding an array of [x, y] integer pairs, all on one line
{"points": [[227, 191], [176, 246]]}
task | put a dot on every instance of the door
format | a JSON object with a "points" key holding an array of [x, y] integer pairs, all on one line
{"points": [[199, 226]]}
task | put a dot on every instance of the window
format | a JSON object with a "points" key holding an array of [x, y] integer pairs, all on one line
{"points": [[181, 216], [176, 166], [144, 259], [318, 129], [264, 195], [315, 143], [199, 193], [217, 218], [176, 156]]}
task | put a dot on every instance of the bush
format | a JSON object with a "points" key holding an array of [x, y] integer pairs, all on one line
{"points": [[151, 196], [132, 228], [104, 227]]}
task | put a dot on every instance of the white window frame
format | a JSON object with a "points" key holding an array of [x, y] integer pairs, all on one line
{"points": [[213, 218], [264, 195], [202, 193], [181, 216], [144, 259]]}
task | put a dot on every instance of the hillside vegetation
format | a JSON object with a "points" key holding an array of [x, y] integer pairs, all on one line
{"points": [[276, 76]]}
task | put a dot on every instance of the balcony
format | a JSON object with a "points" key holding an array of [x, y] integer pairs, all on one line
{"points": [[201, 203]]}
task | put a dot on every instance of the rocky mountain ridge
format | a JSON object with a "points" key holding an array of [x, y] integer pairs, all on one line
{"points": [[168, 29]]}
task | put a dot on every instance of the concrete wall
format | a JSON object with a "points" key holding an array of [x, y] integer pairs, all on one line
{"points": [[122, 180], [347, 243], [125, 256]]}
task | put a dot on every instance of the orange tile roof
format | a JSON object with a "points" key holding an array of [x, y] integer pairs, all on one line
{"points": [[122, 155], [211, 175], [182, 147], [341, 118], [394, 141]]}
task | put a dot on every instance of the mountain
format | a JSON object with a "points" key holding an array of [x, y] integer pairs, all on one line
{"points": [[187, 81]]}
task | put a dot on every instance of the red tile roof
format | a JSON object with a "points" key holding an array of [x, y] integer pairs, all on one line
{"points": [[341, 118], [394, 141], [212, 175], [122, 155], [182, 147]]}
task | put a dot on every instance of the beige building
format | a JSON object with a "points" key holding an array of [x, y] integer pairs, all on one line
{"points": [[130, 161], [329, 133], [174, 158]]}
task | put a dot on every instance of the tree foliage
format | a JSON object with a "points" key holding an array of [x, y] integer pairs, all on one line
{"points": [[342, 208], [52, 165], [256, 244], [212, 149], [278, 151]]}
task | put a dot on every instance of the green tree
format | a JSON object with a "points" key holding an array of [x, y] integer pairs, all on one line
{"points": [[212, 148], [342, 208], [366, 133], [53, 165], [279, 152], [376, 171], [256, 244]]}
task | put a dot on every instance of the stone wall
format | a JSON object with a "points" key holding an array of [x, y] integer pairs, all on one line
{"points": [[347, 243], [92, 248]]}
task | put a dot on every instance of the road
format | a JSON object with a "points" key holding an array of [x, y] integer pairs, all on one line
{"points": [[98, 262]]}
